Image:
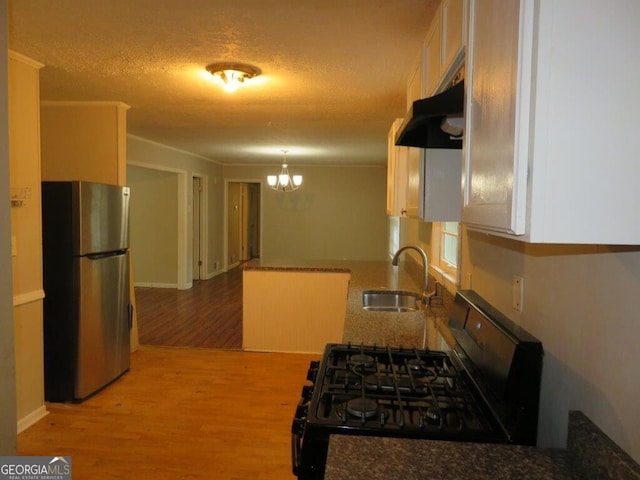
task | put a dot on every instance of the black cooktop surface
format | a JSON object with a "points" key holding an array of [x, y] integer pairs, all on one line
{"points": [[408, 392]]}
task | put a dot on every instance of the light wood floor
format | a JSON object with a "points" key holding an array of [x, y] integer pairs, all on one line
{"points": [[208, 315], [181, 413]]}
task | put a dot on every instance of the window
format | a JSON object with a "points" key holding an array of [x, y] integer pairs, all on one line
{"points": [[445, 251]]}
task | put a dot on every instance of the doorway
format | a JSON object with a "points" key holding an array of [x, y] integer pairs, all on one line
{"points": [[243, 222], [198, 229]]}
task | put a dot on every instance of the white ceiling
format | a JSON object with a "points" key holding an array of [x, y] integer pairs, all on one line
{"points": [[334, 71]]}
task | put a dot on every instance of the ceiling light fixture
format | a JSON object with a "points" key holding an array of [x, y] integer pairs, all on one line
{"points": [[232, 75], [284, 182]]}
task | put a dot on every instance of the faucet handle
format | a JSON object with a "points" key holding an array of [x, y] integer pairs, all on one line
{"points": [[435, 297]]}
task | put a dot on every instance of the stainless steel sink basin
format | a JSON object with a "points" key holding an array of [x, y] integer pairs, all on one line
{"points": [[389, 301]]}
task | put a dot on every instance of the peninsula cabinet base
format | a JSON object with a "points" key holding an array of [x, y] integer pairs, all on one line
{"points": [[293, 310]]}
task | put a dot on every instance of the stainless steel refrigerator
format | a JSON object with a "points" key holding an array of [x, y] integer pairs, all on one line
{"points": [[87, 308]]}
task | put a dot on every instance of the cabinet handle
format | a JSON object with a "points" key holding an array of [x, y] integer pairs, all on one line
{"points": [[403, 211]]}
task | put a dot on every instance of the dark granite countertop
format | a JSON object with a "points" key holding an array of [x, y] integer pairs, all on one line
{"points": [[380, 458], [590, 454], [297, 267]]}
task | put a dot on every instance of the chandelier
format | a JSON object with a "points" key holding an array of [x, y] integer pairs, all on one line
{"points": [[232, 75], [284, 182]]}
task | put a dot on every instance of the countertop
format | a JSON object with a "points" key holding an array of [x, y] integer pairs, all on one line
{"points": [[590, 454], [380, 458]]}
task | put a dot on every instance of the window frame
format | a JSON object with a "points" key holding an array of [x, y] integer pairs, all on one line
{"points": [[439, 263]]}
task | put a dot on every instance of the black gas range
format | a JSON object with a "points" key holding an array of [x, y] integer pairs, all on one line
{"points": [[485, 389]]}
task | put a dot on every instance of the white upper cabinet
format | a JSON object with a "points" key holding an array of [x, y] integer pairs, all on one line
{"points": [[432, 57], [443, 48], [396, 173], [404, 163], [551, 118], [413, 157], [403, 177], [453, 33], [425, 183]]}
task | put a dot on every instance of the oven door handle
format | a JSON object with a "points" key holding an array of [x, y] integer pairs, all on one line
{"points": [[296, 442], [297, 431]]}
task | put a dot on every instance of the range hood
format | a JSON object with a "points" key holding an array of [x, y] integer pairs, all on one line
{"points": [[422, 127]]}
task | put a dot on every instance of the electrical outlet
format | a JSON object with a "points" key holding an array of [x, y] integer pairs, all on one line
{"points": [[518, 292]]}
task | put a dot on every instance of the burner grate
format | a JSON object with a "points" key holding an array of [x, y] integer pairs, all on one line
{"points": [[393, 388]]}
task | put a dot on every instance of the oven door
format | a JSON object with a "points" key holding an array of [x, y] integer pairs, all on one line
{"points": [[308, 454]]}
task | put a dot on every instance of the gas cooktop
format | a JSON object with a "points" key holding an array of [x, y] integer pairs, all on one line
{"points": [[409, 391]]}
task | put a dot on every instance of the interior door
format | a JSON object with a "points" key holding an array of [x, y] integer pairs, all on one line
{"points": [[196, 250]]}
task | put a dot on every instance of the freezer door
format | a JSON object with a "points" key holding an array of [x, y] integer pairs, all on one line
{"points": [[104, 321], [102, 216]]}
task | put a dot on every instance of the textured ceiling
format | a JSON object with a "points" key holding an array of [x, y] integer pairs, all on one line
{"points": [[334, 71]]}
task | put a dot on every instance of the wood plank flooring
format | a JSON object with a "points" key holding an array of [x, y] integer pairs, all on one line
{"points": [[208, 315], [181, 414]]}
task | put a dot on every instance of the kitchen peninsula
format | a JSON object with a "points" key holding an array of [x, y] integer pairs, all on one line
{"points": [[357, 326]]}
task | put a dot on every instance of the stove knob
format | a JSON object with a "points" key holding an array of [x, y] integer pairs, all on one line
{"points": [[312, 373], [297, 427], [301, 412], [307, 392], [433, 416]]}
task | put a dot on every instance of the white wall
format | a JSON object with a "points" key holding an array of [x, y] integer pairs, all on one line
{"points": [[141, 152], [580, 301], [154, 226], [338, 213], [7, 358]]}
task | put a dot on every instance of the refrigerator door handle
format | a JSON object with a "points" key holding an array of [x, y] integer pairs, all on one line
{"points": [[98, 256], [130, 308]]}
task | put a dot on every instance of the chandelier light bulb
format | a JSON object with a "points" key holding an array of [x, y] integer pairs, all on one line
{"points": [[283, 177], [284, 182]]}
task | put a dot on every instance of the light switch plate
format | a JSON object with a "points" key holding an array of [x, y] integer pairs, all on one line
{"points": [[518, 292]]}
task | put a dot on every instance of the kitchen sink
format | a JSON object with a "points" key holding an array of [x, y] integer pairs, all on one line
{"points": [[390, 301]]}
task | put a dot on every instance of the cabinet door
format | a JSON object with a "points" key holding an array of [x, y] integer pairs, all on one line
{"points": [[409, 159], [452, 31], [548, 150], [495, 157], [414, 158], [403, 177], [396, 176], [432, 57]]}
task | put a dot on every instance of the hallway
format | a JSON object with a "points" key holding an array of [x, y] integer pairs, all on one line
{"points": [[208, 315]]}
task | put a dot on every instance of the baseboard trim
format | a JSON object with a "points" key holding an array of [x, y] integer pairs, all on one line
{"points": [[32, 418], [155, 285], [215, 273], [29, 297]]}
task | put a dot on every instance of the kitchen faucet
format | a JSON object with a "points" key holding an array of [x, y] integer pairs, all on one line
{"points": [[425, 268]]}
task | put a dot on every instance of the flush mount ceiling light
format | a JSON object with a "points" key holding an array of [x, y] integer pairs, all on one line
{"points": [[232, 75], [284, 182]]}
